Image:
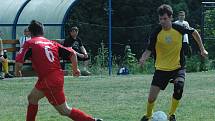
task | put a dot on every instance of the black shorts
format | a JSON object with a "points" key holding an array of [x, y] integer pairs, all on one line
{"points": [[162, 78]]}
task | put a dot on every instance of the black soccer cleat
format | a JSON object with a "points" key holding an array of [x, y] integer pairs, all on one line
{"points": [[97, 119], [144, 118], [172, 118], [7, 75]]}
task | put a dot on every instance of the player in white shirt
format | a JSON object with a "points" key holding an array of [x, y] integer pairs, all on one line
{"points": [[26, 36], [181, 21]]}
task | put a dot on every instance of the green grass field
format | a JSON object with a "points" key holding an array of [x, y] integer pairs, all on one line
{"points": [[117, 98]]}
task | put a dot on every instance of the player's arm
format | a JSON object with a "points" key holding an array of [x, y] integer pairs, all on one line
{"points": [[151, 46], [20, 58], [198, 39], [196, 36], [145, 56], [68, 53], [83, 50]]}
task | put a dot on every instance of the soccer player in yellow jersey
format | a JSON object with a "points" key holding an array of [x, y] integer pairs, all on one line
{"points": [[166, 46]]}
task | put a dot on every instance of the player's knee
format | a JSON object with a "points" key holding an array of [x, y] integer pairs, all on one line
{"points": [[151, 99], [32, 99], [178, 90]]}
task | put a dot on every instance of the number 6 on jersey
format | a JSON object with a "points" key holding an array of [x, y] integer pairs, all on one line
{"points": [[49, 54]]}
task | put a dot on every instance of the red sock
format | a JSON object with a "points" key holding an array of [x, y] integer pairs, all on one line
{"points": [[78, 115], [32, 112]]}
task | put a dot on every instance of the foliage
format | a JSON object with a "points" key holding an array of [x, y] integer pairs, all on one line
{"points": [[196, 63], [129, 60], [192, 64], [132, 21], [102, 58], [100, 61], [210, 32], [91, 18]]}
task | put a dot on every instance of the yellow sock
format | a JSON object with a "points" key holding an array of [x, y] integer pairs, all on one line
{"points": [[174, 105], [5, 66], [150, 107]]}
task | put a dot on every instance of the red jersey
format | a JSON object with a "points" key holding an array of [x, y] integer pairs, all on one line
{"points": [[45, 55]]}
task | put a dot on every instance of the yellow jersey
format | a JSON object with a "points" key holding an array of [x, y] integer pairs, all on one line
{"points": [[166, 45]]}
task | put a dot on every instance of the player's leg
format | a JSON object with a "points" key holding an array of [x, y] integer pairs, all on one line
{"points": [[154, 91], [33, 99], [86, 64], [159, 82], [177, 95], [73, 113], [56, 97], [85, 71], [63, 109]]}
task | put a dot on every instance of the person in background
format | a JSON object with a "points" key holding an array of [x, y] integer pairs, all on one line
{"points": [[76, 43], [181, 21], [26, 36], [4, 68]]}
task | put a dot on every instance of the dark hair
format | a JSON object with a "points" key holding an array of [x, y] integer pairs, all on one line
{"points": [[183, 12], [36, 28], [165, 9], [75, 28], [26, 30]]}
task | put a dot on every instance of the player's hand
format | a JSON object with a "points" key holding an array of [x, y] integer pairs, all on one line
{"points": [[204, 53], [85, 56], [76, 73], [80, 55]]}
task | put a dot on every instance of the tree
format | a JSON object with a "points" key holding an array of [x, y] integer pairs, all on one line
{"points": [[210, 32], [132, 21]]}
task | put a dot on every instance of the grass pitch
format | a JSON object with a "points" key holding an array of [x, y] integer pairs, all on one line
{"points": [[116, 98]]}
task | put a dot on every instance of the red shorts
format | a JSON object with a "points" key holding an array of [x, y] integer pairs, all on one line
{"points": [[52, 87]]}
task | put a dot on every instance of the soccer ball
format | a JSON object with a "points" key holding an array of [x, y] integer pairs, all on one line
{"points": [[159, 116]]}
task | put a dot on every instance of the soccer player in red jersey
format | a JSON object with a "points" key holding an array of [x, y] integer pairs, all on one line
{"points": [[45, 56]]}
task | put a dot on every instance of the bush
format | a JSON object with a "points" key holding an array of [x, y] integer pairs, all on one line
{"points": [[129, 60], [100, 62], [192, 64], [196, 63]]}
